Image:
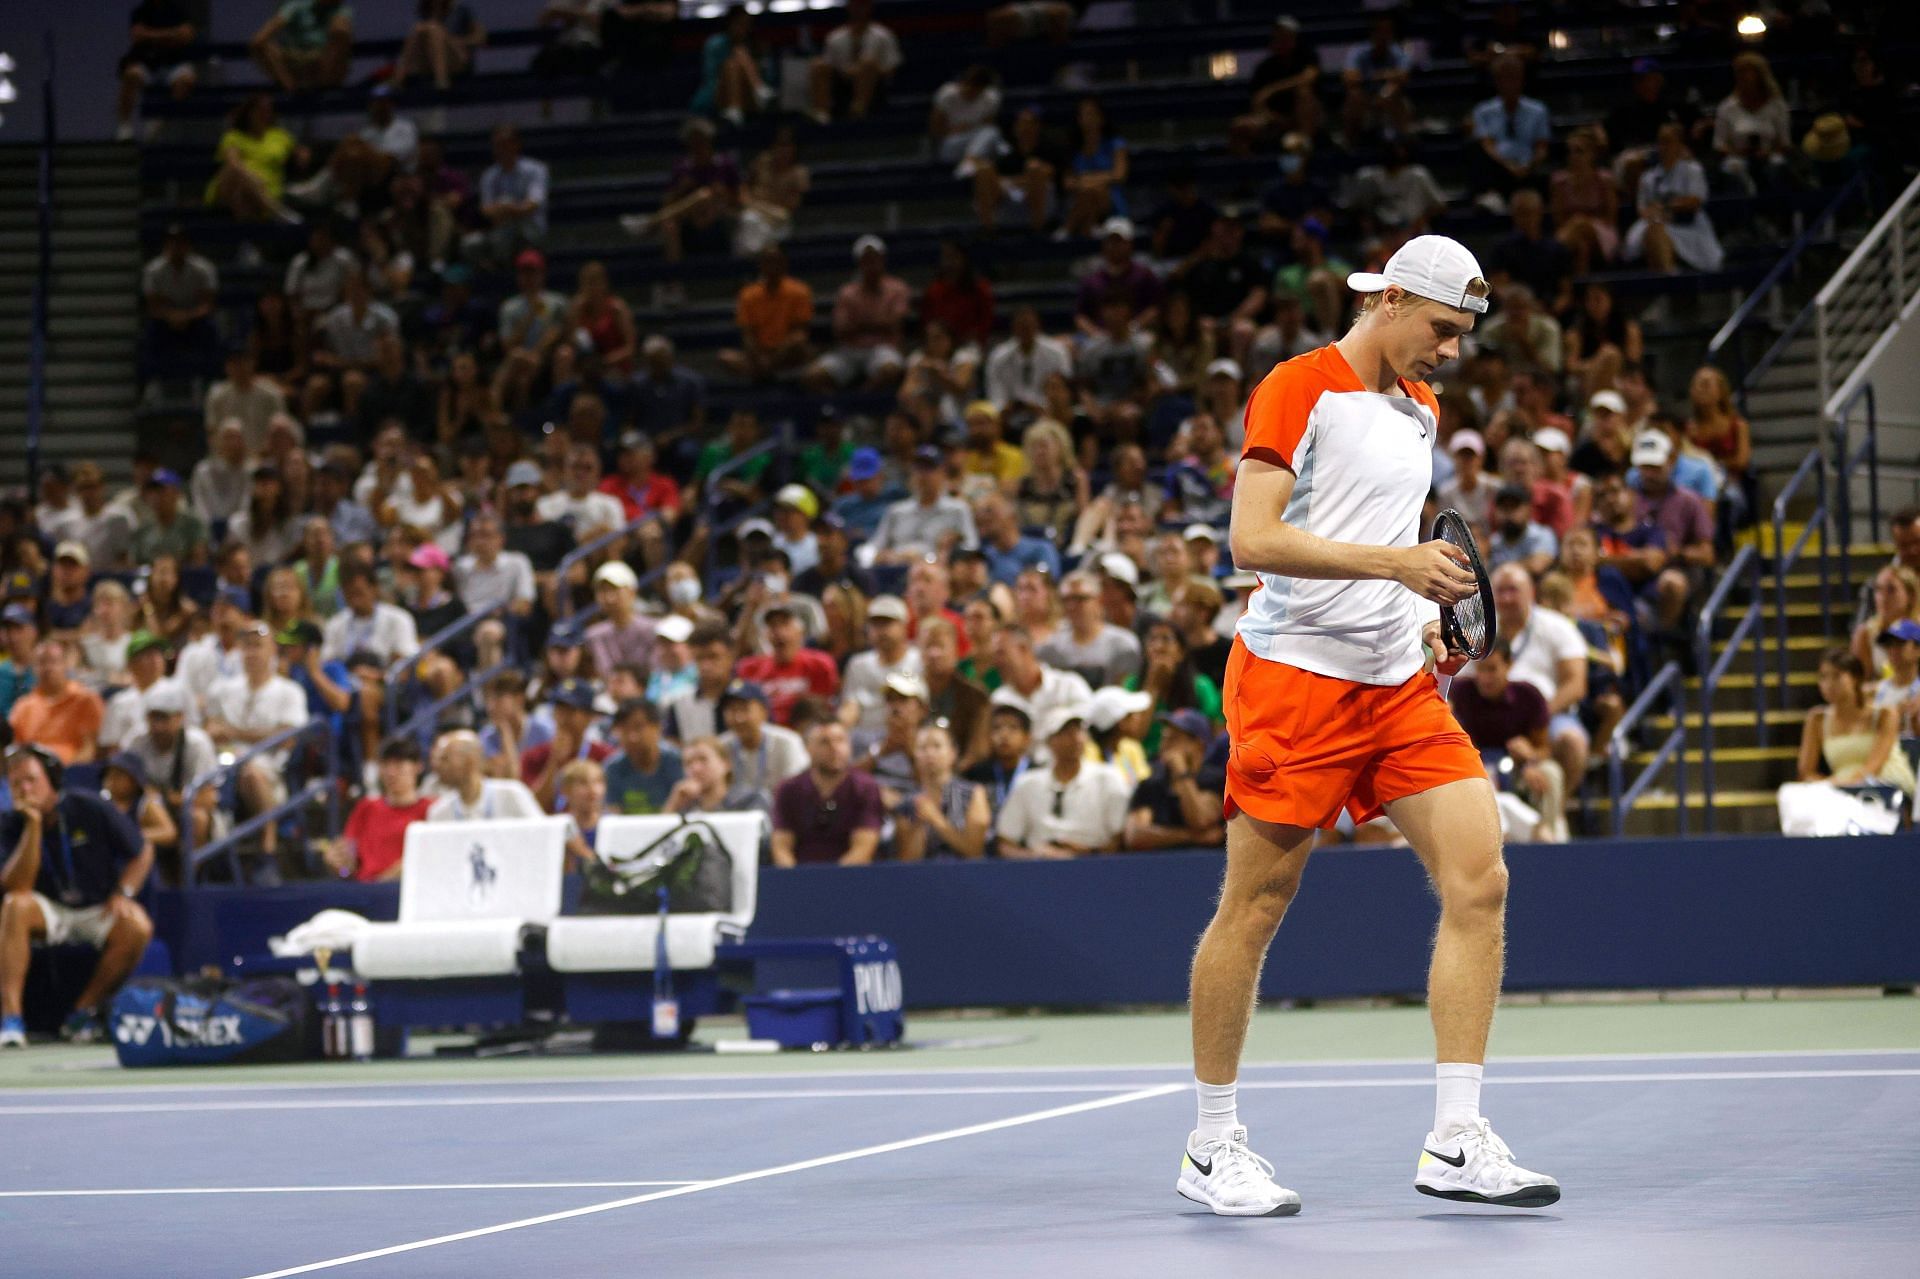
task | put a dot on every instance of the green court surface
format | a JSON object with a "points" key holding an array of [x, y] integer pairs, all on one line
{"points": [[975, 1042]]}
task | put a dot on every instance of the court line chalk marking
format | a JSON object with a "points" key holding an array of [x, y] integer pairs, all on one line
{"points": [[327, 1190], [849, 1094], [556, 1099], [111, 1081], [781, 1170]]}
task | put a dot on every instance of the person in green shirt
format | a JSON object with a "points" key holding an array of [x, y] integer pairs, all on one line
{"points": [[741, 486], [1318, 280], [824, 461], [1168, 675], [170, 528]]}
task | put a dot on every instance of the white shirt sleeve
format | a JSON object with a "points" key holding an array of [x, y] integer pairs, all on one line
{"points": [[515, 800], [1015, 822]]}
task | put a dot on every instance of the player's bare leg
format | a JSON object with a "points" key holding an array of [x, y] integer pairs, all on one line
{"points": [[1455, 831], [1264, 862]]}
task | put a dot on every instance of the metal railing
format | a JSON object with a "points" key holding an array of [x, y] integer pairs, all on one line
{"points": [[1784, 559], [1855, 310], [43, 276], [424, 716], [1745, 565], [778, 446], [320, 787], [1729, 345], [564, 593], [1672, 682], [401, 671], [1846, 463]]}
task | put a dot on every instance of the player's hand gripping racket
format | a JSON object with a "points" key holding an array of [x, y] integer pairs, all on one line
{"points": [[1468, 627]]}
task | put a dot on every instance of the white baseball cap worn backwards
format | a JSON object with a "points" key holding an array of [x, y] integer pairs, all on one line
{"points": [[1432, 266]]}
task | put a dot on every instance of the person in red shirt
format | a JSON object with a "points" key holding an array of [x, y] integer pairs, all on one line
{"points": [[790, 671], [376, 836], [929, 588], [641, 489], [959, 297]]}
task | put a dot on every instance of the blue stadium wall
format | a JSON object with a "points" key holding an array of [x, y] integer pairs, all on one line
{"points": [[1119, 930]]}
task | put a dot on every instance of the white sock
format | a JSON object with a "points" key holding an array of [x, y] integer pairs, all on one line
{"points": [[1456, 1102], [1219, 1109]]}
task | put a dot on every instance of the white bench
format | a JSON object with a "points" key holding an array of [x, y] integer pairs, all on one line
{"points": [[629, 943], [469, 895]]}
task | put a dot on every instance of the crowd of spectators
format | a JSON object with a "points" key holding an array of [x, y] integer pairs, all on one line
{"points": [[986, 610]]}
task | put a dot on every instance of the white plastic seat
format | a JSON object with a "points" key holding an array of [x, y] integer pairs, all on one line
{"points": [[469, 891], [628, 943]]}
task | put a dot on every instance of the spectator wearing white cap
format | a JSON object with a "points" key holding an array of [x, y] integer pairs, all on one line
{"points": [[1120, 587], [795, 507], [1117, 720], [175, 753], [887, 752], [1088, 645], [869, 326], [1555, 448], [1117, 273], [674, 674], [1471, 489], [863, 704], [1686, 521], [624, 634], [1069, 809], [1607, 439]]}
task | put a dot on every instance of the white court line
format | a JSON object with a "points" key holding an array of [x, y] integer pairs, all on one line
{"points": [[865, 1152], [110, 1080], [846, 1094], [553, 1099], [329, 1190]]}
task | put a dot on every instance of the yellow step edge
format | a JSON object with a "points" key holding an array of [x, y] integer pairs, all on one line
{"points": [[1721, 799], [1733, 754], [1731, 719], [1744, 679]]}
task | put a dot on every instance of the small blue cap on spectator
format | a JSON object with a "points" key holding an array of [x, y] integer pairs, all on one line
{"points": [[1191, 722], [17, 615], [576, 693], [564, 635], [1315, 228], [236, 596], [863, 465], [742, 690], [524, 473], [1906, 629], [456, 273], [1643, 65], [130, 764], [382, 91], [163, 478], [929, 455]]}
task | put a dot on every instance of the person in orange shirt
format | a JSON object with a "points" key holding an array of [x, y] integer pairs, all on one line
{"points": [[773, 313], [1332, 704], [60, 714]]}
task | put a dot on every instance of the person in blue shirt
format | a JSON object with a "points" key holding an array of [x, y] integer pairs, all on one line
{"points": [[73, 867], [21, 631], [868, 495], [1376, 77], [644, 773], [1511, 133], [1008, 551]]}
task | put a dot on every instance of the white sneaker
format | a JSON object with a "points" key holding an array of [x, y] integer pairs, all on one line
{"points": [[12, 1037], [1475, 1166], [1230, 1179]]}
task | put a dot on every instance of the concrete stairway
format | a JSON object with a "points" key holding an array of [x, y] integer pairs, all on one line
{"points": [[1749, 765], [93, 317]]}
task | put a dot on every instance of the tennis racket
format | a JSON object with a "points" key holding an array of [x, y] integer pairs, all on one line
{"points": [[1468, 627]]}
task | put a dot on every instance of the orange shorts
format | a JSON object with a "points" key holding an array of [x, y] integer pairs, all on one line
{"points": [[1307, 745]]}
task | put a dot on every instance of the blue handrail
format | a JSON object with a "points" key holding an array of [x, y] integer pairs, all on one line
{"points": [[782, 441], [400, 669], [1746, 565], [423, 715], [1743, 376], [598, 544], [43, 276], [1671, 681], [321, 787], [1784, 559], [1867, 451]]}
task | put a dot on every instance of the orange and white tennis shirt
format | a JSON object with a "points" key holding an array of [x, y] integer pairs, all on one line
{"points": [[1362, 465]]}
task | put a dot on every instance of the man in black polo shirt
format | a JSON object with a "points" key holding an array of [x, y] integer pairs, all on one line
{"points": [[1178, 805], [73, 867]]}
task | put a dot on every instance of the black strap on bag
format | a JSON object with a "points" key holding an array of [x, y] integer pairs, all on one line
{"points": [[689, 862]]}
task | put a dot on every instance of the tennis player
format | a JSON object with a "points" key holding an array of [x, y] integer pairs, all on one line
{"points": [[1332, 703]]}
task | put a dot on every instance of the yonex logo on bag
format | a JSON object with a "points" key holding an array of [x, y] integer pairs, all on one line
{"points": [[212, 1032]]}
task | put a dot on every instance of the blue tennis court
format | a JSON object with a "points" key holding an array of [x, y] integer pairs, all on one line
{"points": [[1769, 1164]]}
